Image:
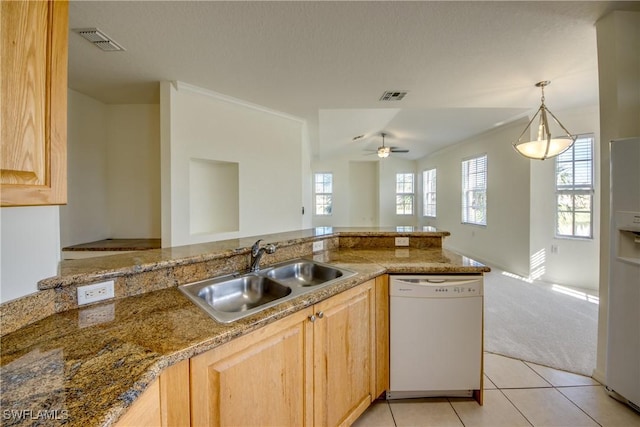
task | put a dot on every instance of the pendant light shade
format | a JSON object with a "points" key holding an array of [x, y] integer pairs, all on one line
{"points": [[544, 146]]}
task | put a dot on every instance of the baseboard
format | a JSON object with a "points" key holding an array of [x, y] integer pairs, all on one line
{"points": [[599, 376]]}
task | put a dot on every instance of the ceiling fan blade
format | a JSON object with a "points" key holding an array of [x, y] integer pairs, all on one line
{"points": [[396, 150]]}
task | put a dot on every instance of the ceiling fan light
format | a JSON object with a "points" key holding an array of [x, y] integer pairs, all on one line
{"points": [[544, 146], [383, 152]]}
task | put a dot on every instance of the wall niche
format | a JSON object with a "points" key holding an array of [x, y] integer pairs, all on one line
{"points": [[214, 196]]}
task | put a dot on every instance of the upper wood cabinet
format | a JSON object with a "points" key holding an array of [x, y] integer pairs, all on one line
{"points": [[33, 121]]}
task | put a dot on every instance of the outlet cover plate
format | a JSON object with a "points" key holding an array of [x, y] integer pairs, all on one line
{"points": [[318, 246], [95, 292]]}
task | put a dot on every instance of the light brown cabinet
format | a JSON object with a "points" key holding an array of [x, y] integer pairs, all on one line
{"points": [[165, 403], [33, 120], [381, 327], [321, 366], [315, 367], [262, 378], [344, 355]]}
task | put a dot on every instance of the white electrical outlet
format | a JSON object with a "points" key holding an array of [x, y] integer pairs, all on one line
{"points": [[402, 241], [318, 246], [96, 292]]}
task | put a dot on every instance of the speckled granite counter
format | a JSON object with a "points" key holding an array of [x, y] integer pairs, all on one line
{"points": [[84, 373]]}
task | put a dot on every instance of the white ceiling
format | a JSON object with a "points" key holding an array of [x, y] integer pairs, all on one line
{"points": [[468, 65]]}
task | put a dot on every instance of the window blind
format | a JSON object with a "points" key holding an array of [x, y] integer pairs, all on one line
{"points": [[474, 190]]}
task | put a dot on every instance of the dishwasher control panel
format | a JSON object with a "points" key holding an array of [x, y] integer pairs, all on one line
{"points": [[428, 286]]}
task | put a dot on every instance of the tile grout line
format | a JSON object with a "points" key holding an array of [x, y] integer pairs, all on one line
{"points": [[536, 372], [509, 400], [552, 386], [577, 406], [561, 393], [455, 412], [392, 416], [517, 409], [502, 390]]}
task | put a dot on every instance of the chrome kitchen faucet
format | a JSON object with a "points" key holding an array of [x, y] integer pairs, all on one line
{"points": [[257, 252]]}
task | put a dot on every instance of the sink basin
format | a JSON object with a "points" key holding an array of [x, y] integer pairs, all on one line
{"points": [[230, 298], [303, 273], [243, 293]]}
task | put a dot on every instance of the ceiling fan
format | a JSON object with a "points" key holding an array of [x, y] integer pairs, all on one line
{"points": [[384, 151]]}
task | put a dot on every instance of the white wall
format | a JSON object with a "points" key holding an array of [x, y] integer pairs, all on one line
{"points": [[113, 171], [387, 170], [576, 260], [306, 178], [267, 145], [618, 36], [504, 242], [112, 188], [85, 218], [340, 216], [364, 192], [30, 248], [363, 199], [133, 164]]}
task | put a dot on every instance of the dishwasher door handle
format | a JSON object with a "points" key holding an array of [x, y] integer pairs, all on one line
{"points": [[434, 282]]}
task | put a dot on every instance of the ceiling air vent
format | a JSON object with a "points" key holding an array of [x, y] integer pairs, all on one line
{"points": [[393, 95], [99, 39]]}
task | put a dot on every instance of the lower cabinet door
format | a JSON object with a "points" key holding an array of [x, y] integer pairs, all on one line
{"points": [[343, 356], [259, 379], [164, 403]]}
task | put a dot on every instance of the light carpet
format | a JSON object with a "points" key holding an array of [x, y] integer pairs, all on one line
{"points": [[537, 323]]}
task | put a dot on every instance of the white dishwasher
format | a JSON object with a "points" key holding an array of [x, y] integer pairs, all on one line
{"points": [[435, 335]]}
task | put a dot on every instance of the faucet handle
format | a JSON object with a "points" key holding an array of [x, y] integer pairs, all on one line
{"points": [[270, 248], [256, 247]]}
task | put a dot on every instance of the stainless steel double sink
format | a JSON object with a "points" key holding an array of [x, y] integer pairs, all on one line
{"points": [[232, 297]]}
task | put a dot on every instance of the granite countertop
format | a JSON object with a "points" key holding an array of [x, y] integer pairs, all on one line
{"points": [[86, 373], [88, 270]]}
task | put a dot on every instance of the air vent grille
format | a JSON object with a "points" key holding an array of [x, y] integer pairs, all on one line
{"points": [[393, 95], [99, 39]]}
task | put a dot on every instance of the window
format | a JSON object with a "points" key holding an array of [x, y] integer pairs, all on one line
{"points": [[323, 189], [404, 194], [474, 190], [574, 190], [429, 192]]}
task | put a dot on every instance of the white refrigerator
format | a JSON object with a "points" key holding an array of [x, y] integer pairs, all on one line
{"points": [[623, 345]]}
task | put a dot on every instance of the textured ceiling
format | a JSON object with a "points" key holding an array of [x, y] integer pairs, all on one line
{"points": [[467, 65]]}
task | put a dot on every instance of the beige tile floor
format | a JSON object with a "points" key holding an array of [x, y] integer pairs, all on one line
{"points": [[516, 394]]}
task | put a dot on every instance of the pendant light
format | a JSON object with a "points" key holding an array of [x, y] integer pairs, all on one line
{"points": [[544, 146]]}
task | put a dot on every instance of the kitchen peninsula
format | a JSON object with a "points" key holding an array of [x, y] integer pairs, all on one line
{"points": [[87, 365]]}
